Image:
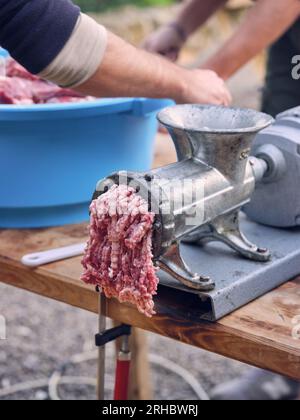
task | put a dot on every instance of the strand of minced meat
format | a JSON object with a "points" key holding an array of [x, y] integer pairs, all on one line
{"points": [[118, 256]]}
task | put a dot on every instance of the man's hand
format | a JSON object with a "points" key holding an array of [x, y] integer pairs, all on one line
{"points": [[205, 87], [167, 41]]}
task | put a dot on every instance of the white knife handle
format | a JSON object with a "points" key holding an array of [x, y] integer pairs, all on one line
{"points": [[46, 257]]}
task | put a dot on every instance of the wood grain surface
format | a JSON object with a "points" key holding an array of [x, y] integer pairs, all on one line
{"points": [[259, 334]]}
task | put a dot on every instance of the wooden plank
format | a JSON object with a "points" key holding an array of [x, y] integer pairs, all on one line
{"points": [[255, 346], [259, 334]]}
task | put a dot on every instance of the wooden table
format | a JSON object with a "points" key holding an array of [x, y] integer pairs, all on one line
{"points": [[259, 334]]}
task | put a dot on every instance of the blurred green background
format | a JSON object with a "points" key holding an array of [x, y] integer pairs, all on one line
{"points": [[101, 5]]}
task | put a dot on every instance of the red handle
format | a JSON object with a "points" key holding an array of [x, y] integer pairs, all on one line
{"points": [[122, 380]]}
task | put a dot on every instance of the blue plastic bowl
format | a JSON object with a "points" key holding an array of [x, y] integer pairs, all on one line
{"points": [[3, 53], [51, 156]]}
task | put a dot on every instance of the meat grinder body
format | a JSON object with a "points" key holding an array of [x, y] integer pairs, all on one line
{"points": [[198, 200]]}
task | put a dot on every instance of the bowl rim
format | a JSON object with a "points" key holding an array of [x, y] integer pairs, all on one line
{"points": [[66, 106]]}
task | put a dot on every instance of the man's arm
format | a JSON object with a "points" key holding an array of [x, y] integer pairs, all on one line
{"points": [[128, 71], [264, 24], [195, 13]]}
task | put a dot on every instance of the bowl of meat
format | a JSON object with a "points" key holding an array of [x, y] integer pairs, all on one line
{"points": [[56, 144]]}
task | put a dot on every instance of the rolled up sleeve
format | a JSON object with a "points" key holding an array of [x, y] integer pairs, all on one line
{"points": [[35, 31], [81, 55], [53, 39]]}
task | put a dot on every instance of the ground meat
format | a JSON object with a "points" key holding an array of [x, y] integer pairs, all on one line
{"points": [[118, 256], [19, 87]]}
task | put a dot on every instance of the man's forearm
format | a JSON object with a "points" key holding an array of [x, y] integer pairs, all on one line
{"points": [[195, 12], [126, 71], [264, 24]]}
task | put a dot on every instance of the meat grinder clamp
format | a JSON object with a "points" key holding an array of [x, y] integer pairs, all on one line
{"points": [[199, 198]]}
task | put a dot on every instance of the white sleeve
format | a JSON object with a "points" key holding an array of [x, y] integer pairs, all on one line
{"points": [[80, 57]]}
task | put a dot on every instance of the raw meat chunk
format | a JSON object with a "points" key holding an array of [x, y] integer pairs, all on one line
{"points": [[19, 87], [14, 69], [15, 91]]}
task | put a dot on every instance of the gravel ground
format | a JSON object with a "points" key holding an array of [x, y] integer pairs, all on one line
{"points": [[42, 335]]}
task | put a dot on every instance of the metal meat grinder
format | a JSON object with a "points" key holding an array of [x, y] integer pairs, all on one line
{"points": [[224, 166]]}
